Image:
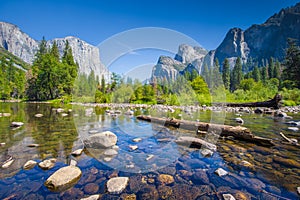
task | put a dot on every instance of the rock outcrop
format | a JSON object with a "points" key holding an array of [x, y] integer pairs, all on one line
{"points": [[260, 41], [23, 46]]}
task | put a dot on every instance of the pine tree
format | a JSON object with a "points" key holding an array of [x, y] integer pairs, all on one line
{"points": [[237, 75], [271, 68], [256, 74], [276, 72], [291, 71], [264, 74], [54, 51], [205, 74], [226, 73]]}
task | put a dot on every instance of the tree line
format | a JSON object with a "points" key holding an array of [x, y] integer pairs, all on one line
{"points": [[52, 76]]}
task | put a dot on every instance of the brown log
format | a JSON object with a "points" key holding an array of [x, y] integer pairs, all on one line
{"points": [[272, 103], [238, 132]]}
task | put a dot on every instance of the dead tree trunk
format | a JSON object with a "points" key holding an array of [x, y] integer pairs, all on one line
{"points": [[238, 132], [272, 103]]}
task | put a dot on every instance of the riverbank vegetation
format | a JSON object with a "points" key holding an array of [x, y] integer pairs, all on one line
{"points": [[54, 77]]}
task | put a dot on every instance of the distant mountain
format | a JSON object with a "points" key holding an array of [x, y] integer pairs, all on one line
{"points": [[23, 46], [260, 41], [186, 59]]}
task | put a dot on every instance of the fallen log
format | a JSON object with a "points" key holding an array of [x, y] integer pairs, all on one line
{"points": [[238, 132], [272, 103]]}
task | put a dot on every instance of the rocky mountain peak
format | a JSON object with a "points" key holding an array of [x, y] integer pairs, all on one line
{"points": [[23, 46], [17, 42], [187, 54]]}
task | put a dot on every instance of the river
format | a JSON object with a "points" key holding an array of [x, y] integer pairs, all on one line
{"points": [[254, 171]]}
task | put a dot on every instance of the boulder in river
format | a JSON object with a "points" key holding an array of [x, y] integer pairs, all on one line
{"points": [[192, 141], [63, 178], [298, 190], [293, 129], [101, 140], [47, 164], [29, 164], [117, 185]]}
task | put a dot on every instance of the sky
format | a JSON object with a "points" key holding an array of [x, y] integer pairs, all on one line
{"points": [[206, 21]]}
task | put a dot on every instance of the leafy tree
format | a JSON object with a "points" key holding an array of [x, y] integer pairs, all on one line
{"points": [[199, 86], [226, 73]]}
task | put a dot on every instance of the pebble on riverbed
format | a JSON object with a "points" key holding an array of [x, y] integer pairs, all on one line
{"points": [[93, 197], [133, 147], [239, 120], [221, 172], [38, 115], [293, 128], [298, 190], [117, 185], [77, 152], [137, 139], [7, 163]]}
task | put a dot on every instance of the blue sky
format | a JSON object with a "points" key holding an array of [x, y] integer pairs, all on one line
{"points": [[207, 21]]}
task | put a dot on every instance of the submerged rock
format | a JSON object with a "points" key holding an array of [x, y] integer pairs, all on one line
{"points": [[293, 129], [148, 193], [101, 140], [91, 188], [221, 172], [63, 178], [117, 185], [133, 147], [47, 164], [137, 139], [165, 179], [164, 191], [29, 164]]}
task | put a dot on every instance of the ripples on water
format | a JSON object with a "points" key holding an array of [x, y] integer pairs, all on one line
{"points": [[275, 170]]}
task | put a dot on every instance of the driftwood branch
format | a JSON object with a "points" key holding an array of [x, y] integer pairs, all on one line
{"points": [[272, 103], [291, 141], [238, 132]]}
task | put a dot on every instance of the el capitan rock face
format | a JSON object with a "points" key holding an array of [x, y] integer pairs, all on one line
{"points": [[23, 46], [260, 41]]}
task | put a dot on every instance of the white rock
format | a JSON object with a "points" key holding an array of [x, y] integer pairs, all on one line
{"points": [[8, 163], [93, 197], [64, 114], [60, 110], [228, 197], [107, 159], [207, 152], [110, 152], [137, 139], [239, 120], [149, 157], [47, 164], [298, 190], [16, 124], [6, 114], [29, 164], [77, 152], [33, 145], [133, 147], [39, 115], [293, 128], [73, 162], [2, 144], [117, 185], [63, 178], [101, 140], [221, 172]]}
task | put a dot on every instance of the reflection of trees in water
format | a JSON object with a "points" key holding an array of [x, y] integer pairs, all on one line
{"points": [[52, 132]]}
